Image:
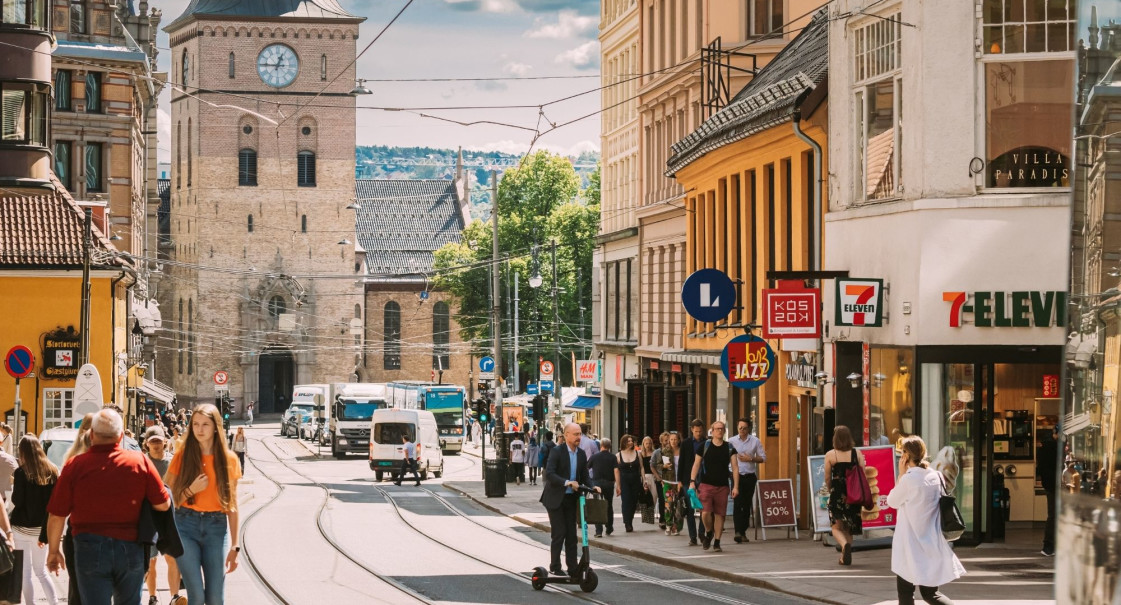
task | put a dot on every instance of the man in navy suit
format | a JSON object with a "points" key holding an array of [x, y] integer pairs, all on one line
{"points": [[565, 471]]}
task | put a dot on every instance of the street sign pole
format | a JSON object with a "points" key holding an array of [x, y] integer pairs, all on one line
{"points": [[15, 430]]}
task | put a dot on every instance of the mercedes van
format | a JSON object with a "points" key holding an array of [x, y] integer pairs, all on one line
{"points": [[387, 451]]}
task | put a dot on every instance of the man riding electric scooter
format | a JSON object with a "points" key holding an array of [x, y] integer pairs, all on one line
{"points": [[565, 471]]}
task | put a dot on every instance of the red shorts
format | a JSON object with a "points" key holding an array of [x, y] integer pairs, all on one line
{"points": [[714, 498]]}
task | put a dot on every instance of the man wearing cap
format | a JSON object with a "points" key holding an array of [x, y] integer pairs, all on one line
{"points": [[155, 440]]}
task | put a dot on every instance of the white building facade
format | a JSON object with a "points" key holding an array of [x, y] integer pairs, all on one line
{"points": [[962, 208]]}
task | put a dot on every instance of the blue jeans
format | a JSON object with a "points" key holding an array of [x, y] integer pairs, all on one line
{"points": [[108, 570], [203, 564]]}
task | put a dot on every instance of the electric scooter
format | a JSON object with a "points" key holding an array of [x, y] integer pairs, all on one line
{"points": [[583, 574]]}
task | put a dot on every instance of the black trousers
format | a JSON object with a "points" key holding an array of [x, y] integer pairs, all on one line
{"points": [[929, 594], [408, 464], [741, 504], [1049, 529], [562, 528], [629, 489], [608, 488]]}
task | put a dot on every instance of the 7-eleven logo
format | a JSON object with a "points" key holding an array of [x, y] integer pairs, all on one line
{"points": [[859, 302]]}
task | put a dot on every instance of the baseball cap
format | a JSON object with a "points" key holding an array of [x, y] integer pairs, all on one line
{"points": [[154, 432]]}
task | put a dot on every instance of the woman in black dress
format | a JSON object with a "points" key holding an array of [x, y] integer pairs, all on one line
{"points": [[845, 519], [628, 479]]}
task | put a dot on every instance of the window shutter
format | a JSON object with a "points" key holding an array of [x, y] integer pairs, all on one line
{"points": [[247, 167], [305, 169]]}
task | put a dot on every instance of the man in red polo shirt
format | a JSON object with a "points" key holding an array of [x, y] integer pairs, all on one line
{"points": [[101, 491]]}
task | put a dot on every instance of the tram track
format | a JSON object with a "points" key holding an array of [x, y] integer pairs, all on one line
{"points": [[271, 587]]}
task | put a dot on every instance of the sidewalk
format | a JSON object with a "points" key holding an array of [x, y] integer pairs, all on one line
{"points": [[1013, 572]]}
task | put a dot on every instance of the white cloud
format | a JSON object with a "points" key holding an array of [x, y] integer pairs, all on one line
{"points": [[569, 25], [585, 56], [515, 68]]}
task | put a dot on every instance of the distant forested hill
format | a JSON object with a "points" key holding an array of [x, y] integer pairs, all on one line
{"points": [[381, 162]]}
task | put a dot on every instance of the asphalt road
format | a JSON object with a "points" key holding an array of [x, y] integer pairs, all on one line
{"points": [[330, 533]]}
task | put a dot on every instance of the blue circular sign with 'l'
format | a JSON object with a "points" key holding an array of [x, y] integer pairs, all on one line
{"points": [[486, 364], [708, 295]]}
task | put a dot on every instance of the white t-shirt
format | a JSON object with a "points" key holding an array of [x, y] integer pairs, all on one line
{"points": [[517, 451]]}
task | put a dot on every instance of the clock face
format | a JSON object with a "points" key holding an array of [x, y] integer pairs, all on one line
{"points": [[277, 65]]}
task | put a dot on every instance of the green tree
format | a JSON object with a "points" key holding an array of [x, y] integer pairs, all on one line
{"points": [[538, 202]]}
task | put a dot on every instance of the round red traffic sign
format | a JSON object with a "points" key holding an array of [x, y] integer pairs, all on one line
{"points": [[546, 367], [221, 377], [19, 361]]}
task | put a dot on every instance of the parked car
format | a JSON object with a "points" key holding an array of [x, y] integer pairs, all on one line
{"points": [[292, 424], [307, 428], [57, 442]]}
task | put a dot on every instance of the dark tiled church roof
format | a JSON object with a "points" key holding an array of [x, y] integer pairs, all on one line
{"points": [[401, 223], [305, 9], [768, 100]]}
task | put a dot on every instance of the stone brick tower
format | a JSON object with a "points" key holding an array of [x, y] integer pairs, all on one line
{"points": [[263, 272]]}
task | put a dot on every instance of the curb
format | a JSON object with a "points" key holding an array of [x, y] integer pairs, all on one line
{"points": [[690, 567]]}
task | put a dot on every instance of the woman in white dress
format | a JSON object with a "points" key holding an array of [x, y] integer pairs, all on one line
{"points": [[920, 555]]}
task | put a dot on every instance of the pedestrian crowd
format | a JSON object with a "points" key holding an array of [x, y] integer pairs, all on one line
{"points": [[700, 473], [111, 513]]}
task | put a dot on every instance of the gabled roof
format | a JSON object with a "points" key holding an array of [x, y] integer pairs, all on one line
{"points": [[45, 231], [770, 99], [295, 9], [401, 223]]}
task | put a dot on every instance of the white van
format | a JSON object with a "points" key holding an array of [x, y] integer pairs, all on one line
{"points": [[387, 451]]}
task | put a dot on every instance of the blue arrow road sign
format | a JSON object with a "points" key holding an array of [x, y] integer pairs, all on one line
{"points": [[531, 389], [708, 295], [546, 386], [486, 364]]}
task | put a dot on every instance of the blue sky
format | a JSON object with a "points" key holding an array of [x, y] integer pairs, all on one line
{"points": [[467, 39]]}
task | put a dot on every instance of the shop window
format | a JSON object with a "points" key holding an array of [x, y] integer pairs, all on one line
{"points": [[77, 16], [247, 168], [441, 328], [765, 17], [1028, 123], [892, 411], [58, 408], [62, 93], [62, 152], [1029, 26], [94, 176], [305, 169], [93, 92], [877, 108], [392, 335], [23, 113]]}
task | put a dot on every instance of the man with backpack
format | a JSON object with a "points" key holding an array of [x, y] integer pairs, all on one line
{"points": [[713, 468]]}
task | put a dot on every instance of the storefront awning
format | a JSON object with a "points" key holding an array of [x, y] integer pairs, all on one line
{"points": [[585, 402], [157, 390], [708, 358]]}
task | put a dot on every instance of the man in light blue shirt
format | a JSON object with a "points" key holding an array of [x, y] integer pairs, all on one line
{"points": [[409, 463]]}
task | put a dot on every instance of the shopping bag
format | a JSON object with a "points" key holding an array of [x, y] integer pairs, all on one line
{"points": [[694, 499], [953, 525], [647, 511], [595, 511], [11, 583], [857, 490]]}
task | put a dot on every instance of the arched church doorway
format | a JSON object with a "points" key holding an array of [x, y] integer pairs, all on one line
{"points": [[275, 377]]}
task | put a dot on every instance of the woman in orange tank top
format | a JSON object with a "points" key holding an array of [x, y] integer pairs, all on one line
{"points": [[203, 478]]}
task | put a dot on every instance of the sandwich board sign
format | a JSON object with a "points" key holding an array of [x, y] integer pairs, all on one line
{"points": [[775, 498], [88, 396]]}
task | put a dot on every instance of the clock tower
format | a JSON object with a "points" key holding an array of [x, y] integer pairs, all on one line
{"points": [[262, 278]]}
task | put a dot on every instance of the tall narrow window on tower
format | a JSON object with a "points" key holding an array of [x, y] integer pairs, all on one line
{"points": [[441, 325], [231, 67], [392, 334], [185, 68], [323, 68], [247, 168], [305, 169], [189, 155]]}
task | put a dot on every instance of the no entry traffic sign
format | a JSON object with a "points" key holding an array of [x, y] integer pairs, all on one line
{"points": [[19, 361], [221, 377]]}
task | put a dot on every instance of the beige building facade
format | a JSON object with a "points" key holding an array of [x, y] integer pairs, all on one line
{"points": [[264, 281]]}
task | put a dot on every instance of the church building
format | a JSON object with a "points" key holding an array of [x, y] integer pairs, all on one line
{"points": [[263, 275]]}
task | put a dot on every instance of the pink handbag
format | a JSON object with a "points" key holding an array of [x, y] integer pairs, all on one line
{"points": [[857, 490]]}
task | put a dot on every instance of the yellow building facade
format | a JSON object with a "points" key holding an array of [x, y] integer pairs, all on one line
{"points": [[41, 278], [751, 207]]}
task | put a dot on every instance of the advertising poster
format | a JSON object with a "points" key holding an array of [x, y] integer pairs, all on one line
{"points": [[880, 469]]}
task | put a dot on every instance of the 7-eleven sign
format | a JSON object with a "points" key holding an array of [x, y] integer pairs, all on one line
{"points": [[860, 302]]}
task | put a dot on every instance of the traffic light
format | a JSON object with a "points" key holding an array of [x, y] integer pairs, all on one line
{"points": [[482, 410], [538, 408]]}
